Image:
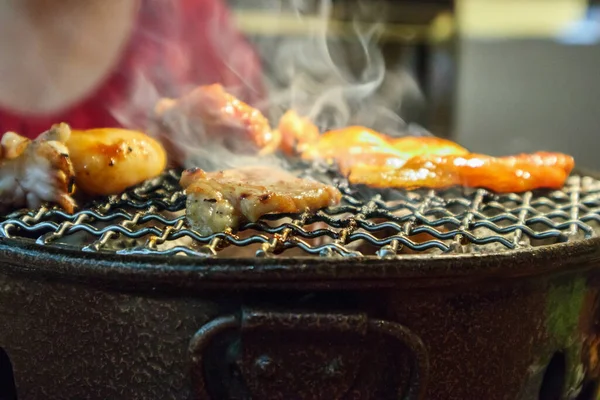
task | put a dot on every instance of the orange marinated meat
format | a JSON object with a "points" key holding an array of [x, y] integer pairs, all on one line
{"points": [[354, 146], [518, 173], [297, 133], [110, 160], [209, 114]]}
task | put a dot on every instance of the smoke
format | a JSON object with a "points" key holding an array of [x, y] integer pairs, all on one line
{"points": [[334, 74]]}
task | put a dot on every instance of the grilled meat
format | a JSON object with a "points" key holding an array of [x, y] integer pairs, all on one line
{"points": [[108, 161], [355, 145], [297, 133], [500, 174], [209, 114], [33, 172], [225, 199], [376, 160]]}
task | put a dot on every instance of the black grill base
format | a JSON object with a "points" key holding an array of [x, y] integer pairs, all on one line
{"points": [[88, 326], [378, 298]]}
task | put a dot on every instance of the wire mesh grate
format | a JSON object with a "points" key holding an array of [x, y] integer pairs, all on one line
{"points": [[150, 219]]}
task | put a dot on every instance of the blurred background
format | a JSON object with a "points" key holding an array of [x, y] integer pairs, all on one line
{"points": [[498, 76]]}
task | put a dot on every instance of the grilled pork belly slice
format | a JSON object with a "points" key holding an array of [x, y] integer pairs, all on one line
{"points": [[225, 199], [33, 172]]}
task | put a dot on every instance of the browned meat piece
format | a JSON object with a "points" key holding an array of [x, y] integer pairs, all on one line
{"points": [[518, 173], [376, 160], [33, 172], [210, 115], [297, 133], [225, 199], [110, 160], [356, 146]]}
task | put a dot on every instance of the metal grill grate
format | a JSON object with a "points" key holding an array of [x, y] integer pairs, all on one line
{"points": [[150, 219]]}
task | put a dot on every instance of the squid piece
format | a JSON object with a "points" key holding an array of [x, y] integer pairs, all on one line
{"points": [[518, 173], [110, 160], [38, 171]]}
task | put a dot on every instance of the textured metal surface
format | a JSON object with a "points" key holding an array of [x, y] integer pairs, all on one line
{"points": [[150, 220], [77, 341], [329, 374]]}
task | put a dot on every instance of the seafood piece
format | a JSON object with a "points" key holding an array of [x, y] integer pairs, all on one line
{"points": [[109, 160], [220, 200], [33, 172]]}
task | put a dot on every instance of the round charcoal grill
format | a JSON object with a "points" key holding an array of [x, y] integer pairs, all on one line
{"points": [[457, 294]]}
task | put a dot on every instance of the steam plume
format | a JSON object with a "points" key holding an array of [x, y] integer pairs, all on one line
{"points": [[335, 80]]}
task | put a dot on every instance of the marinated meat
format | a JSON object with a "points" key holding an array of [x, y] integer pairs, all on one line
{"points": [[297, 133], [108, 161], [220, 200], [376, 160], [518, 173], [353, 146], [209, 115]]}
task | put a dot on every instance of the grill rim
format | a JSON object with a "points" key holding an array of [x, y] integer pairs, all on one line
{"points": [[410, 271]]}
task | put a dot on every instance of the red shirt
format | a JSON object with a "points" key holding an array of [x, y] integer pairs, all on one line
{"points": [[174, 46]]}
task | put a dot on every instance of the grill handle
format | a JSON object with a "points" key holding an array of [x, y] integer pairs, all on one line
{"points": [[310, 322]]}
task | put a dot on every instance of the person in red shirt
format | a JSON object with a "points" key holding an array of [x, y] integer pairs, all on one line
{"points": [[104, 63]]}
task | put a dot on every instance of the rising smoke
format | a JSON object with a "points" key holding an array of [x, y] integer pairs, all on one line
{"points": [[334, 78]]}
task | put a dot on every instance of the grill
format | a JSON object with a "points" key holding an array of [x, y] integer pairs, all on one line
{"points": [[150, 219], [456, 294]]}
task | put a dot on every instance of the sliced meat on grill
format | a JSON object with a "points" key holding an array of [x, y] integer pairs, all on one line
{"points": [[518, 173], [33, 172], [109, 160], [297, 133], [376, 160], [209, 114], [357, 145], [220, 200]]}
